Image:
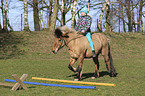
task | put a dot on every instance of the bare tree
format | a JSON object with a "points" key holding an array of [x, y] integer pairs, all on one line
{"points": [[7, 19], [36, 15], [4, 16], [50, 13], [140, 25], [64, 9], [0, 27], [63, 12], [108, 25], [26, 25], [73, 12], [100, 18], [54, 17], [0, 22]]}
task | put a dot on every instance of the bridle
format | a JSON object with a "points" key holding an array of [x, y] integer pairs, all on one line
{"points": [[62, 40], [61, 45]]}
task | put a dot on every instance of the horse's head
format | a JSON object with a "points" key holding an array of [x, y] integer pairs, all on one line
{"points": [[58, 40], [61, 34]]}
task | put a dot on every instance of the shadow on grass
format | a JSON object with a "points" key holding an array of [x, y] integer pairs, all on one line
{"points": [[89, 75], [31, 87], [10, 45]]}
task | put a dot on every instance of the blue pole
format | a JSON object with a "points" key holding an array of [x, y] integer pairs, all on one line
{"points": [[55, 85]]}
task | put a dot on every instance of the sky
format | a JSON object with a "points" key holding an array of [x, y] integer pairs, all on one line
{"points": [[16, 9]]}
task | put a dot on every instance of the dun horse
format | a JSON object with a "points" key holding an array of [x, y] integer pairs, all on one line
{"points": [[79, 49]]}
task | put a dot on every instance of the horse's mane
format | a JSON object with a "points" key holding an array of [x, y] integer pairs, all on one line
{"points": [[67, 29], [63, 30]]}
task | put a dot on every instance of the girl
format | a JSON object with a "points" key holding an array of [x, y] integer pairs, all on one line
{"points": [[83, 25]]}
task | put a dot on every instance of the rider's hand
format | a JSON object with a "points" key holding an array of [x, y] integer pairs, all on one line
{"points": [[83, 31], [77, 31]]}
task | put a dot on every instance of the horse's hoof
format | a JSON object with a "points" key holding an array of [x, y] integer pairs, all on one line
{"points": [[75, 70], [76, 79], [93, 77]]}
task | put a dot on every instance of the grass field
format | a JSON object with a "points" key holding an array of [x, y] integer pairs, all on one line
{"points": [[30, 53]]}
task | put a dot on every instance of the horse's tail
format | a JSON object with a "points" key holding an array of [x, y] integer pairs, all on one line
{"points": [[113, 70]]}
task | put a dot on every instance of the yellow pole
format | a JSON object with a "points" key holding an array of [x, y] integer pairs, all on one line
{"points": [[80, 82]]}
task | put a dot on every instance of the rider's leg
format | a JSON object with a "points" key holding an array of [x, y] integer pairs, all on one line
{"points": [[88, 35]]}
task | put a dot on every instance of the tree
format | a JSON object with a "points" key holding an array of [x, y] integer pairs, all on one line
{"points": [[73, 12], [63, 12], [99, 28], [7, 19], [4, 16], [64, 9], [34, 5], [5, 11], [108, 25], [50, 13], [36, 15], [26, 25], [0, 27], [140, 25], [54, 17]]}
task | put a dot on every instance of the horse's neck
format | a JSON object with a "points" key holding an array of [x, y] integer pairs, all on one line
{"points": [[72, 37]]}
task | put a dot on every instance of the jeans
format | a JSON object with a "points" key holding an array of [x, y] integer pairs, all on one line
{"points": [[88, 35]]}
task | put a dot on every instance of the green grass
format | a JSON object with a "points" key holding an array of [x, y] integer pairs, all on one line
{"points": [[129, 81], [32, 55]]}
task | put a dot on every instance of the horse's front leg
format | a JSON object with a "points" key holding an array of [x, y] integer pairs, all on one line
{"points": [[71, 63], [80, 66]]}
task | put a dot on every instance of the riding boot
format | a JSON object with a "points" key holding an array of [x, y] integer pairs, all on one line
{"points": [[94, 54]]}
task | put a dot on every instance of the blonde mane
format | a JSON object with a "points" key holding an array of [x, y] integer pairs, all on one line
{"points": [[67, 29]]}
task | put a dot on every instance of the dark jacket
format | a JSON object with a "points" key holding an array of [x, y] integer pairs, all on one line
{"points": [[83, 23]]}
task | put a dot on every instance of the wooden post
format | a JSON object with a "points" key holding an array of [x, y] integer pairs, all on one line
{"points": [[19, 81]]}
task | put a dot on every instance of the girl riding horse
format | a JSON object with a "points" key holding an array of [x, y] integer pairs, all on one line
{"points": [[83, 25]]}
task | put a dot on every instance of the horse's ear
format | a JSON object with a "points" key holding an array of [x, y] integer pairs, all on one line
{"points": [[64, 33], [58, 33]]}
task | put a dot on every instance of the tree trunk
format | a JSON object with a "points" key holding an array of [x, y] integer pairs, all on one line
{"points": [[88, 6], [73, 10], [54, 17], [119, 17], [48, 18], [128, 12], [40, 15], [63, 13], [50, 13], [100, 18], [0, 28], [36, 15], [7, 19], [133, 19], [26, 25], [140, 14], [4, 16], [108, 26]]}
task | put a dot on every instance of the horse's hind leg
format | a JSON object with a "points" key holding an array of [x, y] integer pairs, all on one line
{"points": [[96, 61], [105, 53], [107, 61], [71, 63]]}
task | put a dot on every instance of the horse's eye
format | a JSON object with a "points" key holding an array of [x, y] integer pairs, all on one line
{"points": [[59, 40]]}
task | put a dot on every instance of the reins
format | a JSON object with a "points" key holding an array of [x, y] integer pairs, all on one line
{"points": [[76, 38], [73, 39], [62, 43]]}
